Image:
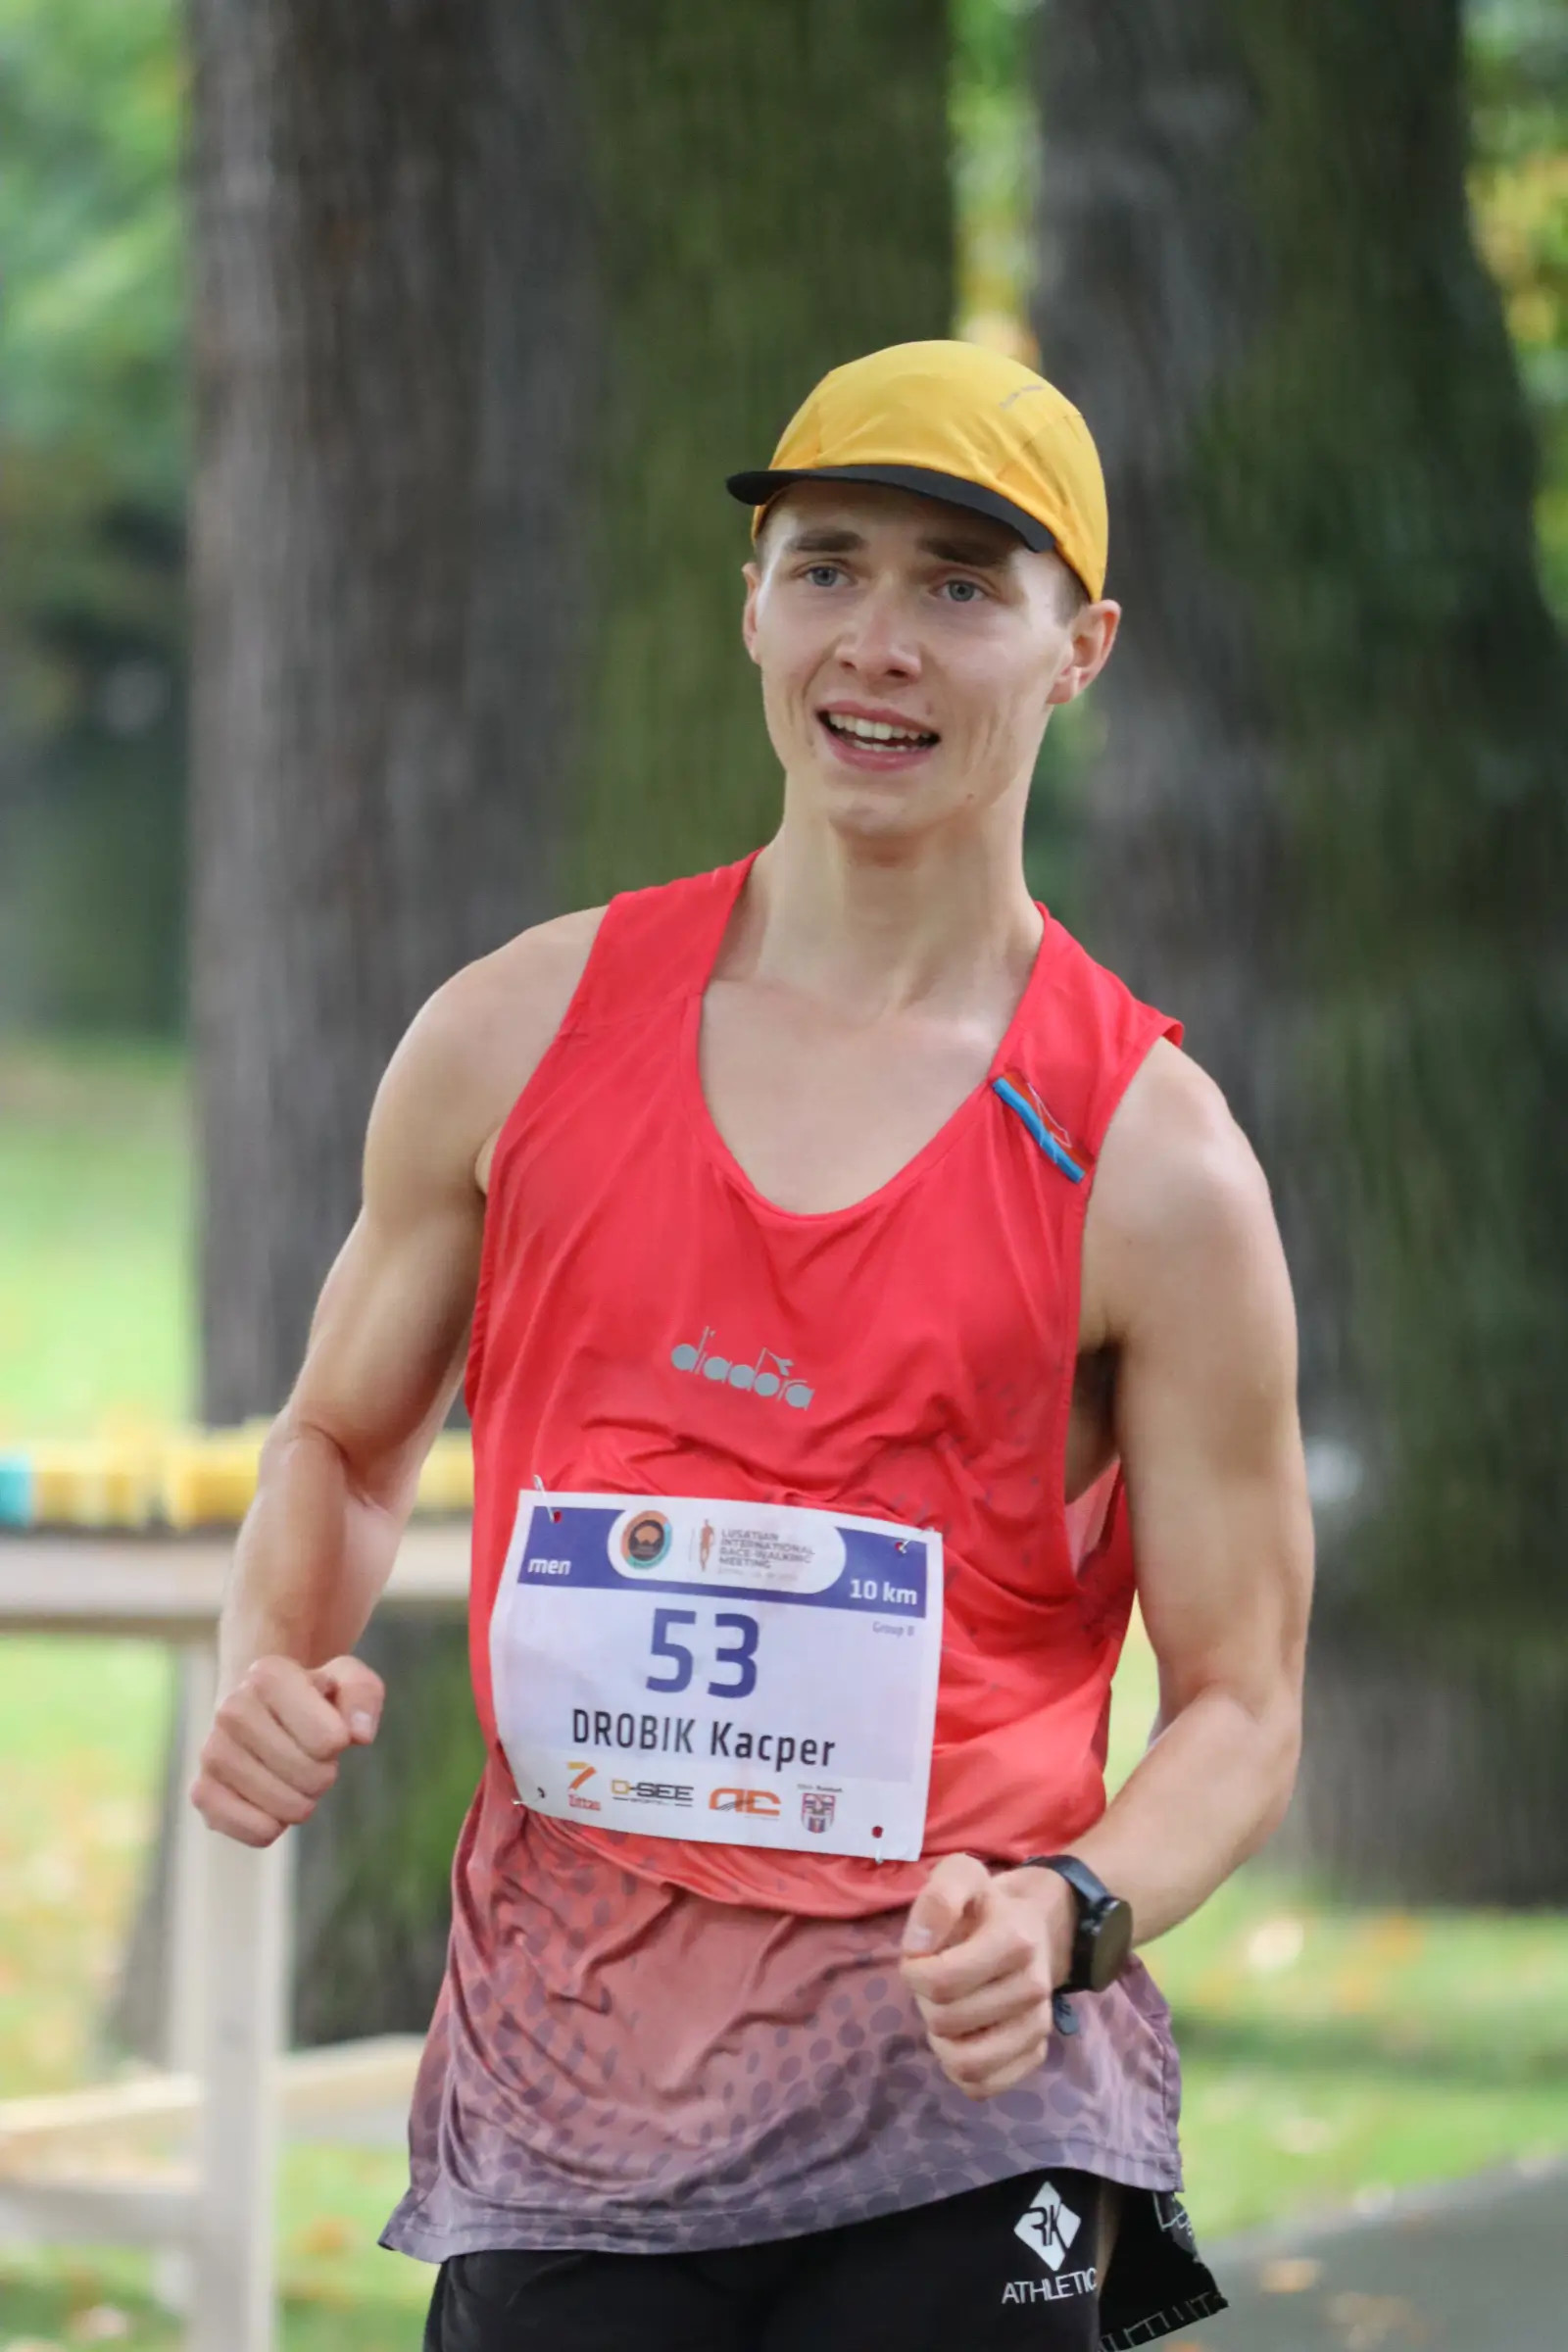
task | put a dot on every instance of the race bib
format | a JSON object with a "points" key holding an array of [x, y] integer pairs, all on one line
{"points": [[739, 1673]]}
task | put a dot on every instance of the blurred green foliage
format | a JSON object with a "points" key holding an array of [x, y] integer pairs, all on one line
{"points": [[993, 163], [92, 461], [92, 93], [1519, 191]]}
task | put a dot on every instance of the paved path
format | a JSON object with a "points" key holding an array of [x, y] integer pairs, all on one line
{"points": [[1478, 2265]]}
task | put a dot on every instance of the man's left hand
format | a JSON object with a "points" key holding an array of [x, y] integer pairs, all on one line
{"points": [[982, 1955]]}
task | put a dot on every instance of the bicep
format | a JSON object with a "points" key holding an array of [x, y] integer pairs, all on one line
{"points": [[387, 1343], [390, 1329], [1209, 1437]]}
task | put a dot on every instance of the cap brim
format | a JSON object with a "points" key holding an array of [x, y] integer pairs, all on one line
{"points": [[756, 489]]}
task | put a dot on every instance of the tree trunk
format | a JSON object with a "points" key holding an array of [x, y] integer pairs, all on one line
{"points": [[1330, 827], [490, 296], [393, 330], [774, 191]]}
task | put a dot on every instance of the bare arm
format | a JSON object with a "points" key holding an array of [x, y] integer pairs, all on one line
{"points": [[1184, 1276], [339, 1467], [1198, 1304], [386, 1349]]}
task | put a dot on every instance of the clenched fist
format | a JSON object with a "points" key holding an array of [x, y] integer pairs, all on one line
{"points": [[982, 1955], [272, 1754]]}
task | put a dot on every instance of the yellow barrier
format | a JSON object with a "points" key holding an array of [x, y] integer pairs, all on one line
{"points": [[184, 1479]]}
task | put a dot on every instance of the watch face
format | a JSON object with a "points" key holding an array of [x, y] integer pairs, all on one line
{"points": [[1112, 1945]]}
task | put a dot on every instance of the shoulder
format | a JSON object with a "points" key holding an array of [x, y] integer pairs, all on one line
{"points": [[1180, 1216], [474, 1045], [519, 992]]}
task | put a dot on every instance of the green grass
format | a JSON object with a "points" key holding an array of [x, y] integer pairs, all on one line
{"points": [[1329, 2053], [96, 1321]]}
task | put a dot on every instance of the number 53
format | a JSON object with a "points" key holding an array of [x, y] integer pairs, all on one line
{"points": [[741, 1653]]}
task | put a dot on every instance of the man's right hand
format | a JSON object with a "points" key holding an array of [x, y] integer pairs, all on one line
{"points": [[272, 1754]]}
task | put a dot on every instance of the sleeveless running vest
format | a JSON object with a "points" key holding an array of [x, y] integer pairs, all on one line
{"points": [[649, 2046], [646, 1323]]}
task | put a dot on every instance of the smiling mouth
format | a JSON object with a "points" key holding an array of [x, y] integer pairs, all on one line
{"points": [[877, 734]]}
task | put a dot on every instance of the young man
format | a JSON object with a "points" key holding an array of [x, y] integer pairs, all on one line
{"points": [[843, 1264]]}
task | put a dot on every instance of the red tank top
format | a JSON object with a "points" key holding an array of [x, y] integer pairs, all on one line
{"points": [[913, 1359]]}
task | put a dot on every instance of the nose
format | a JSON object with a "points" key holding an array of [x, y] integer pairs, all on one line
{"points": [[877, 639]]}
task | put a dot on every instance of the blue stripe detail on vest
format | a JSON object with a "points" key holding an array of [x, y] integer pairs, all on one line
{"points": [[1037, 1129]]}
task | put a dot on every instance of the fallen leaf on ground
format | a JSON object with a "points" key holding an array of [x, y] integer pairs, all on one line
{"points": [[1302, 2134], [100, 2324], [1291, 2274], [330, 2233], [1394, 1937], [1278, 1943], [1368, 2322]]}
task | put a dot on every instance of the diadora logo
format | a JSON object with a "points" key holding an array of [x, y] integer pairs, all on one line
{"points": [[769, 1376], [1048, 2226]]}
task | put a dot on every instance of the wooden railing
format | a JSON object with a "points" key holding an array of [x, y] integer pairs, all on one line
{"points": [[77, 2165]]}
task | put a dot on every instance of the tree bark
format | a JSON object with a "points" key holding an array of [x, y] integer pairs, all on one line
{"points": [[1330, 827], [490, 295], [774, 198], [395, 331]]}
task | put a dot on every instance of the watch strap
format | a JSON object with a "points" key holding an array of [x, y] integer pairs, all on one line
{"points": [[1092, 1892], [1094, 1900]]}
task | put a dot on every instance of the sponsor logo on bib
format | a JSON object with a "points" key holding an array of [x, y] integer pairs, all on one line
{"points": [[817, 1807], [645, 1540], [651, 1793], [762, 1801]]}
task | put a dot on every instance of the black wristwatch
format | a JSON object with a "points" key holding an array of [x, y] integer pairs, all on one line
{"points": [[1104, 1936]]}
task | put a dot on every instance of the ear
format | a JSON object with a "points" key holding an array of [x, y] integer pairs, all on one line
{"points": [[752, 574], [1094, 633]]}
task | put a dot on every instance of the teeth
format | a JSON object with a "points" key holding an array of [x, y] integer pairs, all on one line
{"points": [[873, 730]]}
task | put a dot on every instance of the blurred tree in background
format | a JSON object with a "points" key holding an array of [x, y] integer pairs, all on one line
{"points": [[1331, 827]]}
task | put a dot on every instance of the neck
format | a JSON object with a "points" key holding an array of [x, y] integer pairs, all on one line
{"points": [[879, 925]]}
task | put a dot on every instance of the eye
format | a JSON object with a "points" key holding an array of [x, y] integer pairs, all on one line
{"points": [[962, 592], [822, 575]]}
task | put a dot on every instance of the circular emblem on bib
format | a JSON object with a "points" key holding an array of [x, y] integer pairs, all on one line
{"points": [[645, 1539]]}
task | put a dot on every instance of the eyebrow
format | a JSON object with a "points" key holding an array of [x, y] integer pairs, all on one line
{"points": [[981, 555], [830, 539]]}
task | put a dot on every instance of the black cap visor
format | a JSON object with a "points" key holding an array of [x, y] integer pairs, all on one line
{"points": [[756, 489]]}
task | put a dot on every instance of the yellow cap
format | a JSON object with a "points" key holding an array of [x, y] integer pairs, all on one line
{"points": [[955, 422]]}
